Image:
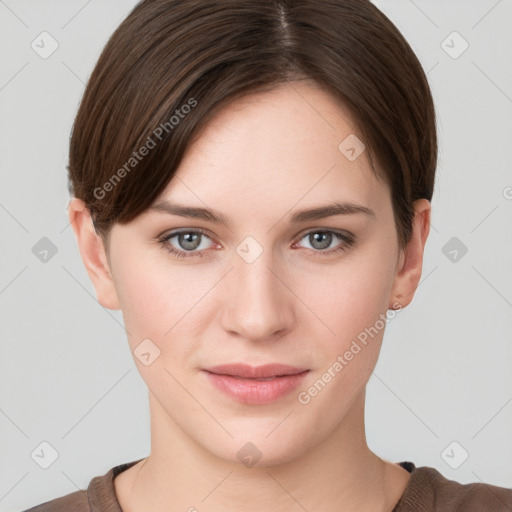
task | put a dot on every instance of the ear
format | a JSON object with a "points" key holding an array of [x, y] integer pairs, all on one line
{"points": [[93, 254], [410, 261]]}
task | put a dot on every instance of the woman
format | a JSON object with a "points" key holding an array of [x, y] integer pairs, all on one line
{"points": [[252, 184]]}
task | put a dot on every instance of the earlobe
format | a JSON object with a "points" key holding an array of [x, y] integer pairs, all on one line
{"points": [[410, 262], [93, 254]]}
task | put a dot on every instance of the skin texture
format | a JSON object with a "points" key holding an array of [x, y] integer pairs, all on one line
{"points": [[261, 159]]}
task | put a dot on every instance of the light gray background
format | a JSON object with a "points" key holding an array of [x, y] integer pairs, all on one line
{"points": [[67, 375]]}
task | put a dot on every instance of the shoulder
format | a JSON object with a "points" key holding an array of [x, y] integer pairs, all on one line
{"points": [[99, 496], [75, 502], [428, 486]]}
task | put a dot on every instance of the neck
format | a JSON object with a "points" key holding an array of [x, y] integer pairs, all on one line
{"points": [[339, 473]]}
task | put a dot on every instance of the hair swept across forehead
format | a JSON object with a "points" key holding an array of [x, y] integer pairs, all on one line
{"points": [[171, 65]]}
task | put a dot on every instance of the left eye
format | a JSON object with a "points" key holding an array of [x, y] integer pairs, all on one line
{"points": [[321, 240], [190, 242]]}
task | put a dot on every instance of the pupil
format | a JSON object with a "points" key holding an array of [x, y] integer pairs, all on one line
{"points": [[326, 239], [189, 242]]}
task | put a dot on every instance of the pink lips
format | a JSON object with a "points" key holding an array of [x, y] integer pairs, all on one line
{"points": [[255, 385]]}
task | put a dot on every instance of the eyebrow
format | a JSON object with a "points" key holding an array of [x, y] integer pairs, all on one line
{"points": [[211, 215]]}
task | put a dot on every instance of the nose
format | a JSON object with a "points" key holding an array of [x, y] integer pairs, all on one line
{"points": [[258, 305]]}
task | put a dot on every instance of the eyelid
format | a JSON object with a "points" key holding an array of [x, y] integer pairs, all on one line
{"points": [[341, 232], [178, 231]]}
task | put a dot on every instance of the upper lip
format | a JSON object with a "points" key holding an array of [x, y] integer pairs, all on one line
{"points": [[255, 372]]}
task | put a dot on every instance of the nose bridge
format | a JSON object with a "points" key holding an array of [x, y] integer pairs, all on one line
{"points": [[258, 304]]}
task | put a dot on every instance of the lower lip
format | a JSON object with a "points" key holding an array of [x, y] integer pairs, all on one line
{"points": [[251, 391]]}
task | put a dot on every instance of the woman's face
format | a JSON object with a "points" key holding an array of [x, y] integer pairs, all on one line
{"points": [[261, 287]]}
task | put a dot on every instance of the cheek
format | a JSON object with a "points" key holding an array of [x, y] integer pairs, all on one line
{"points": [[352, 307], [162, 303], [154, 306], [149, 299], [349, 299]]}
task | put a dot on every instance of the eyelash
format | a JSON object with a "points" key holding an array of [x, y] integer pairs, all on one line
{"points": [[164, 242]]}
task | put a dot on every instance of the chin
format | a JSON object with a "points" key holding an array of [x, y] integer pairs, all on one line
{"points": [[259, 449]]}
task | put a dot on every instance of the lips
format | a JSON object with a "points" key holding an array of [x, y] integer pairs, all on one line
{"points": [[265, 372], [255, 385]]}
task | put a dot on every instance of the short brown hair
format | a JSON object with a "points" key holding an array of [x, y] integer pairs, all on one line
{"points": [[187, 59]]}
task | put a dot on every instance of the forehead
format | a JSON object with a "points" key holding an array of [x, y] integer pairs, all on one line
{"points": [[267, 152]]}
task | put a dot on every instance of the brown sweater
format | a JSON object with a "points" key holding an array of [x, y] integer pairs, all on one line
{"points": [[427, 491]]}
